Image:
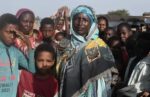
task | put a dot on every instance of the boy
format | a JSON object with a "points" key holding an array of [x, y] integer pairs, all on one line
{"points": [[42, 83], [10, 57], [47, 29]]}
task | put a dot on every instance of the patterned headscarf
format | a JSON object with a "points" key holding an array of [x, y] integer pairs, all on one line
{"points": [[23, 10], [77, 39]]}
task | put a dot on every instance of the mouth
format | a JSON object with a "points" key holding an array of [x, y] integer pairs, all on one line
{"points": [[80, 29], [11, 40]]}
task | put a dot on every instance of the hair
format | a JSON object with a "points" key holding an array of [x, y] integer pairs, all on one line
{"points": [[44, 47], [46, 21], [143, 41], [103, 18], [48, 48], [142, 46], [119, 27], [8, 19]]}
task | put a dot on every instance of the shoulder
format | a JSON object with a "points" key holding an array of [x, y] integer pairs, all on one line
{"points": [[15, 49], [145, 60], [25, 73], [53, 78]]}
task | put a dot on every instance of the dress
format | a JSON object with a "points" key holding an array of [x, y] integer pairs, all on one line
{"points": [[32, 86], [87, 63]]}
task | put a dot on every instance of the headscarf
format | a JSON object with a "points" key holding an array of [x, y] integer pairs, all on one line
{"points": [[77, 39], [23, 10]]}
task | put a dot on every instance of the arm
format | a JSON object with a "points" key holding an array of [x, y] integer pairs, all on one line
{"points": [[66, 22], [27, 64]]}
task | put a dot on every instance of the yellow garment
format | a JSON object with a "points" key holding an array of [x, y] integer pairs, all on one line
{"points": [[95, 43]]}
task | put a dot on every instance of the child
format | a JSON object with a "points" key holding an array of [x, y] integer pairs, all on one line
{"points": [[60, 35], [42, 83], [110, 32], [124, 31], [10, 57], [47, 29]]}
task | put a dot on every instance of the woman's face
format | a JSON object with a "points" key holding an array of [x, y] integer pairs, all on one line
{"points": [[26, 21], [81, 24]]}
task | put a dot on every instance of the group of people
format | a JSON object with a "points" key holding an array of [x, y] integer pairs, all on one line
{"points": [[80, 57]]}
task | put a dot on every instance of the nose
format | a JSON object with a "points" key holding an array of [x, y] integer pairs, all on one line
{"points": [[46, 33], [80, 22], [28, 24], [121, 35], [44, 64]]}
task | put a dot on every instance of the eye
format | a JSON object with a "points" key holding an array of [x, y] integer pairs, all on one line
{"points": [[40, 60], [49, 60], [85, 20]]}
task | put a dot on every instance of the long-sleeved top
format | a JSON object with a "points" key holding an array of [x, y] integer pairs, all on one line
{"points": [[10, 60]]}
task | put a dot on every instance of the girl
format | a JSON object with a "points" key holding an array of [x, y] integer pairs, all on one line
{"points": [[43, 82]]}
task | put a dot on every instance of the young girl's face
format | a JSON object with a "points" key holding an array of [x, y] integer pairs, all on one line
{"points": [[124, 33], [44, 62]]}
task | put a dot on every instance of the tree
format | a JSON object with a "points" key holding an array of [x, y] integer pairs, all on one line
{"points": [[122, 13]]}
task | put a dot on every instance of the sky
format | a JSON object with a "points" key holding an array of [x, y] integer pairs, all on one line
{"points": [[44, 8]]}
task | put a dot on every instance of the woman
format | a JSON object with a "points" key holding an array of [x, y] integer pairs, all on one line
{"points": [[26, 19], [102, 26], [86, 59]]}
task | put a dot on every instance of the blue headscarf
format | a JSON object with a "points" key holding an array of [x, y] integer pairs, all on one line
{"points": [[77, 39]]}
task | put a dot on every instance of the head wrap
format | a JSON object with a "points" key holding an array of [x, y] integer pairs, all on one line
{"points": [[93, 32], [23, 10]]}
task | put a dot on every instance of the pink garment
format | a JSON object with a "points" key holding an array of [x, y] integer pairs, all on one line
{"points": [[20, 44]]}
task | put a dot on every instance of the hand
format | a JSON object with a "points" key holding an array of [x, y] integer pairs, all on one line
{"points": [[23, 37], [144, 94], [18, 33]]}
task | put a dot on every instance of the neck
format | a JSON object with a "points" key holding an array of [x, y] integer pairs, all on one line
{"points": [[39, 76], [27, 33]]}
